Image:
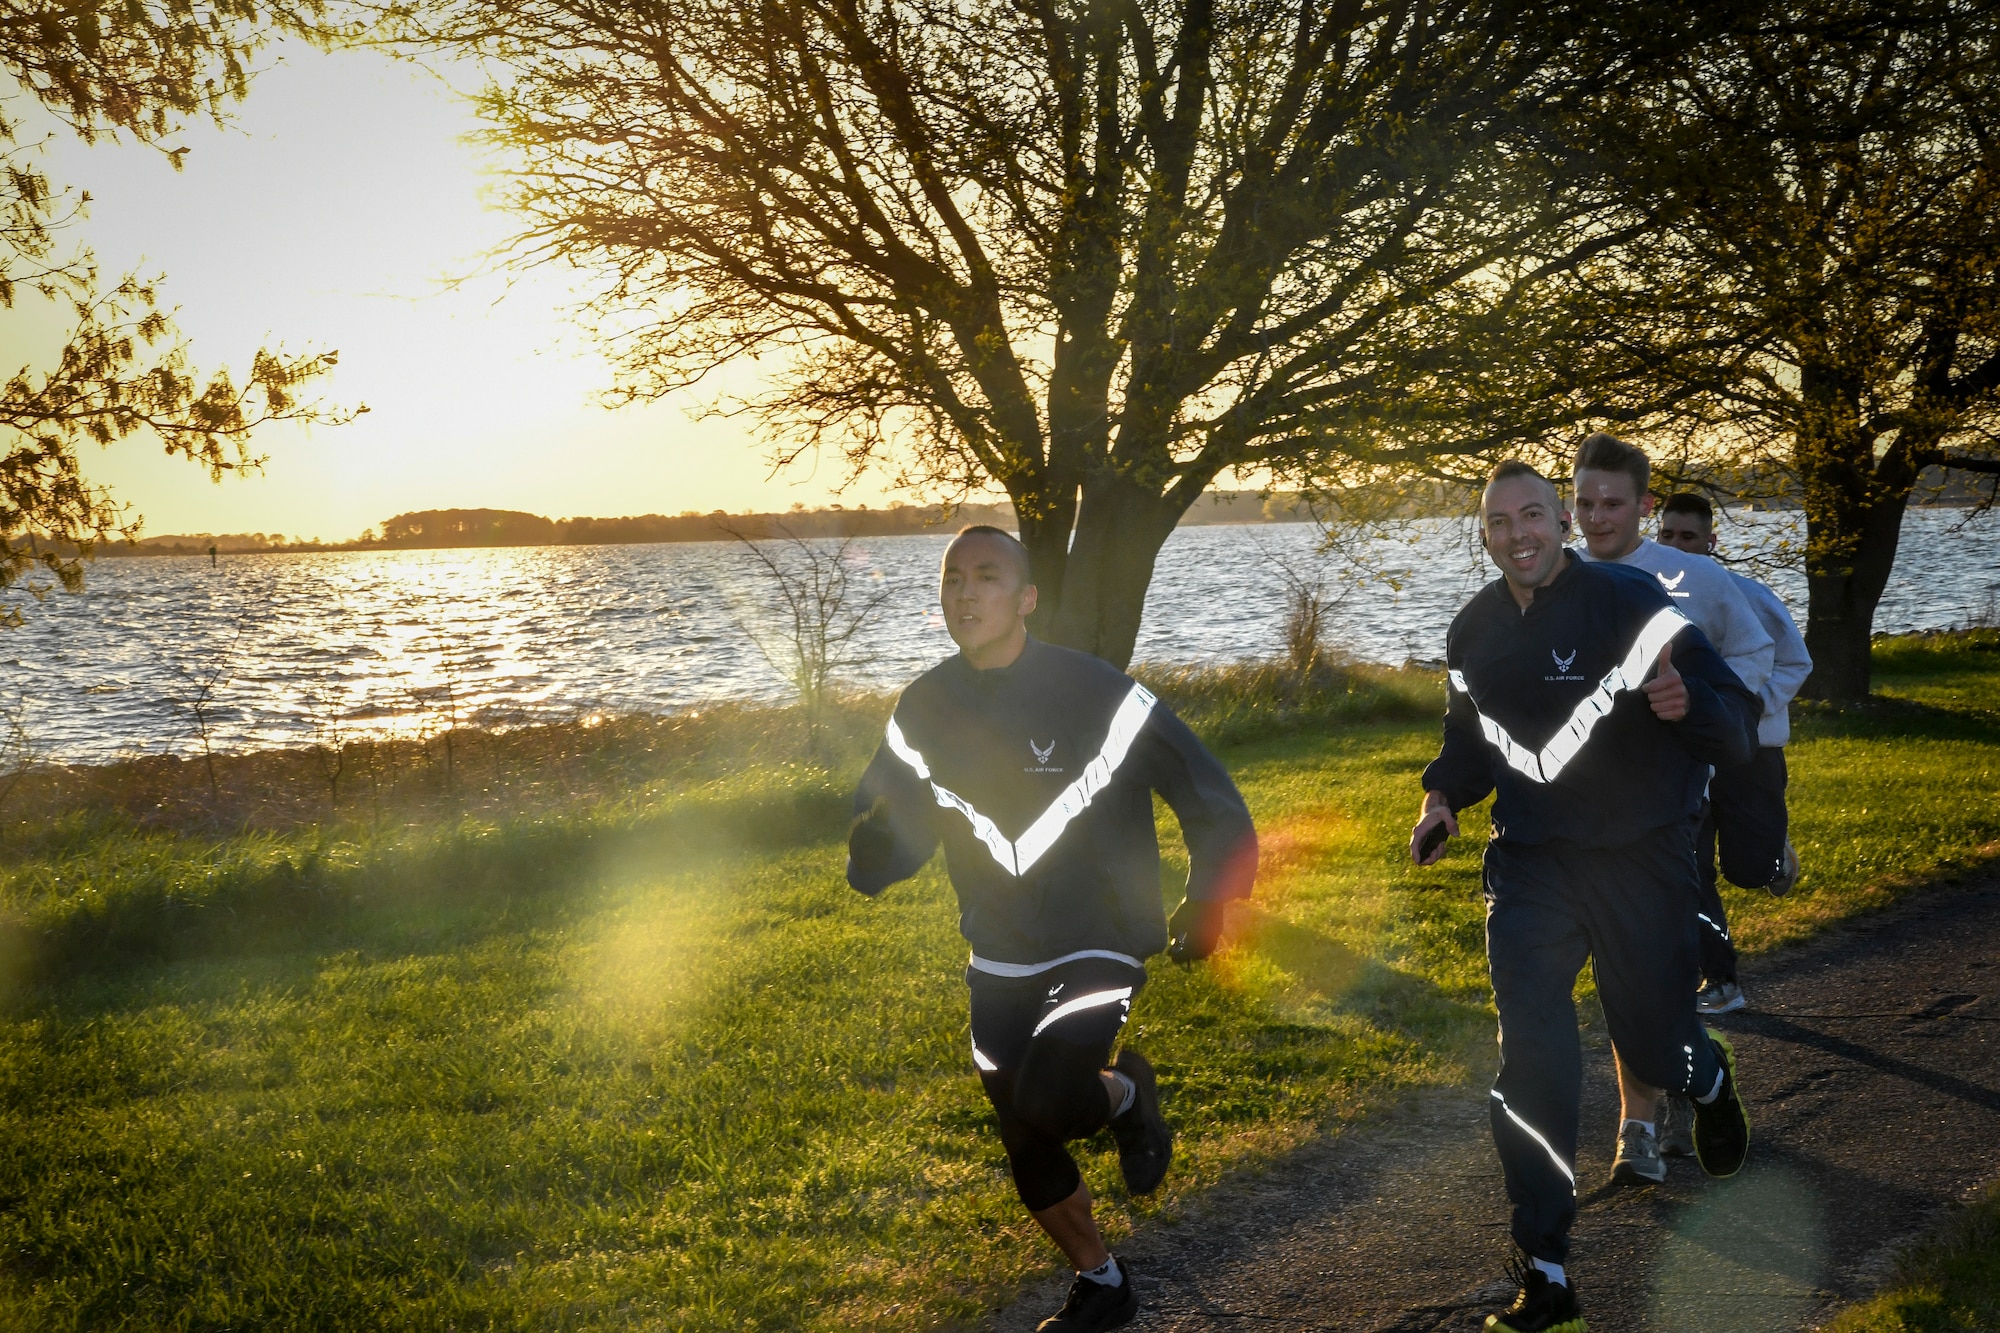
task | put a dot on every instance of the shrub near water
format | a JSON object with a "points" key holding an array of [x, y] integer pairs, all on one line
{"points": [[625, 1051]]}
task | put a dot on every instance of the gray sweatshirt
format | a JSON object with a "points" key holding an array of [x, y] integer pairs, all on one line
{"points": [[1707, 594], [1789, 667]]}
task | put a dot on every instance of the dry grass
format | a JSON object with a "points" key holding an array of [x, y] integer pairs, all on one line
{"points": [[517, 773]]}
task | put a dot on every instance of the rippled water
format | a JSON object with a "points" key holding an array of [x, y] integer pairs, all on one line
{"points": [[378, 642]]}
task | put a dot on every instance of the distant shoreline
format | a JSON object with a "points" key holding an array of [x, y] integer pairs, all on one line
{"points": [[460, 529], [472, 529]]}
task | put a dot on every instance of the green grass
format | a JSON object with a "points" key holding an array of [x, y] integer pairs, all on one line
{"points": [[631, 1055], [1949, 1284], [1940, 688]]}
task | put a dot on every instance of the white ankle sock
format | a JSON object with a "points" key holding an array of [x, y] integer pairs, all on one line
{"points": [[1124, 1105], [1646, 1125], [1553, 1271], [1108, 1274], [1713, 1092]]}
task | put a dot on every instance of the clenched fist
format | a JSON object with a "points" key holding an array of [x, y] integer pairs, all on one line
{"points": [[1194, 931], [870, 840]]}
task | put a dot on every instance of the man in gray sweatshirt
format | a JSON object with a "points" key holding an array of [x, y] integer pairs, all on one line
{"points": [[1611, 497], [1748, 819]]}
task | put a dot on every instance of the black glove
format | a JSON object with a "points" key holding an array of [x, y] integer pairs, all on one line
{"points": [[871, 842], [1194, 930]]}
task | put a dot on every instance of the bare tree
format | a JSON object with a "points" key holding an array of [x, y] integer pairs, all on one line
{"points": [[200, 678], [329, 735], [1309, 602], [822, 602], [1345, 559]]}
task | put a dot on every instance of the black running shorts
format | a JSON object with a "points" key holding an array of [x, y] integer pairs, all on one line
{"points": [[1040, 1043]]}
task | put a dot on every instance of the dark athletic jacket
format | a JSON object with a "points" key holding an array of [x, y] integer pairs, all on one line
{"points": [[1545, 708], [1038, 777]]}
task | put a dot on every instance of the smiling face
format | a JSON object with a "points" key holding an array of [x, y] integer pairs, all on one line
{"points": [[986, 600], [1608, 510], [1686, 532], [1521, 523]]}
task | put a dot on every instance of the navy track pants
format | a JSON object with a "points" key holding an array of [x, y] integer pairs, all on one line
{"points": [[1746, 823], [1630, 912]]}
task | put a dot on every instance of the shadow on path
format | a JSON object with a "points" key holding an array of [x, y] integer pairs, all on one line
{"points": [[1872, 1065]]}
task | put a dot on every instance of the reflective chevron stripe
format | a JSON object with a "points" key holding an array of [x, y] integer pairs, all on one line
{"points": [[1544, 765], [1094, 1000], [1536, 1135], [1017, 856]]}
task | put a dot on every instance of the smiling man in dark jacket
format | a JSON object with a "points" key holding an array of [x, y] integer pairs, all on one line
{"points": [[1035, 767], [1592, 708]]}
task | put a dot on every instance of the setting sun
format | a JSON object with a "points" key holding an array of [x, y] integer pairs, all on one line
{"points": [[344, 209]]}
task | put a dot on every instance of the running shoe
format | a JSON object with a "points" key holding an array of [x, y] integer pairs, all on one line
{"points": [[1541, 1306], [1719, 997], [1788, 873], [1145, 1143], [1722, 1127], [1638, 1160], [1092, 1305], [1677, 1127]]}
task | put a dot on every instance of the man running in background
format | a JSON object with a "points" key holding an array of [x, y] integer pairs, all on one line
{"points": [[1747, 816], [1035, 766], [1585, 700], [1611, 479], [1746, 820]]}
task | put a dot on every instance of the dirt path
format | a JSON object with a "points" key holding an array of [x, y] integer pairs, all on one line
{"points": [[1872, 1066]]}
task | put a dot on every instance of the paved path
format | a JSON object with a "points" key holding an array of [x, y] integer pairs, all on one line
{"points": [[1872, 1066]]}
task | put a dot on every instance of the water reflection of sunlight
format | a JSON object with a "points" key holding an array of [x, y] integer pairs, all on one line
{"points": [[368, 643]]}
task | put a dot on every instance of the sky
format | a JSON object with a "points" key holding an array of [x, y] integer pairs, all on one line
{"points": [[343, 209]]}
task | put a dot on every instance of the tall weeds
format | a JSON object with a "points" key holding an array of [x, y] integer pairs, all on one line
{"points": [[820, 601]]}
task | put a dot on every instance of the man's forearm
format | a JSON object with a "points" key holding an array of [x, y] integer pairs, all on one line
{"points": [[1720, 727]]}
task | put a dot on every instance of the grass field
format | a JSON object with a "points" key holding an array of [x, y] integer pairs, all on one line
{"points": [[1949, 1284], [577, 1034]]}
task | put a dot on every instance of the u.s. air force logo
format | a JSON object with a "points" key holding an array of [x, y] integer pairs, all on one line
{"points": [[1673, 584], [1042, 753], [1563, 664]]}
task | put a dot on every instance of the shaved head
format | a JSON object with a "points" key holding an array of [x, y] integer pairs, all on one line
{"points": [[1512, 471], [999, 540]]}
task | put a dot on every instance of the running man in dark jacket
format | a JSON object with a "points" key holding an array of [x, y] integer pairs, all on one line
{"points": [[1035, 767], [1586, 702]]}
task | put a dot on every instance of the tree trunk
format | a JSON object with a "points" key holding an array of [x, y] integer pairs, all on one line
{"points": [[1850, 551], [1044, 522], [1120, 527]]}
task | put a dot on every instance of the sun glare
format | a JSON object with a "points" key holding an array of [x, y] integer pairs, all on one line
{"points": [[345, 208]]}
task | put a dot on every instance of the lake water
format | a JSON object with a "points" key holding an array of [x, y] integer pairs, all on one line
{"points": [[371, 642]]}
